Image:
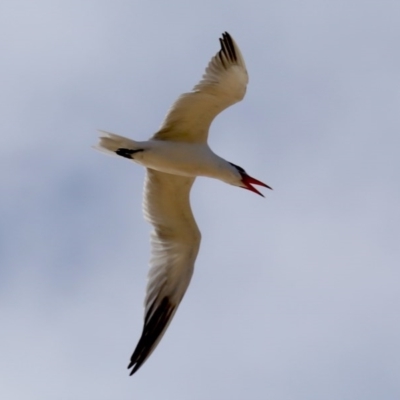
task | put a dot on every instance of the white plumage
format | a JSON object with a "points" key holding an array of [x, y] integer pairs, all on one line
{"points": [[174, 157]]}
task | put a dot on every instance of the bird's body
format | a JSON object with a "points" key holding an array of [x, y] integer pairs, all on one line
{"points": [[174, 157], [183, 159]]}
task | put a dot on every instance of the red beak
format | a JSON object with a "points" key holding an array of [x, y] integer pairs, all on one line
{"points": [[248, 181]]}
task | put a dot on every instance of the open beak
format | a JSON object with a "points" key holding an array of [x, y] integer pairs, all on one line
{"points": [[247, 181]]}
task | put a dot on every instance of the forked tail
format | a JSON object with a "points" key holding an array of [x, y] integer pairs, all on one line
{"points": [[114, 144]]}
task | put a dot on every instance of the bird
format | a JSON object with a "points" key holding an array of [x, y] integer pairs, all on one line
{"points": [[173, 157]]}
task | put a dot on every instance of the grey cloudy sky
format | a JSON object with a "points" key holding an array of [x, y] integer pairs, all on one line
{"points": [[294, 297]]}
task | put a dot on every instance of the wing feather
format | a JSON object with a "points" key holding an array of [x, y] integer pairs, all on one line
{"points": [[175, 243], [223, 84]]}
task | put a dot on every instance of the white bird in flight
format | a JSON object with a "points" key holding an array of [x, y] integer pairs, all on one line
{"points": [[174, 157]]}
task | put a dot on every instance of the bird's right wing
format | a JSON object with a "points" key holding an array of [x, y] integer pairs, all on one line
{"points": [[175, 243], [224, 83]]}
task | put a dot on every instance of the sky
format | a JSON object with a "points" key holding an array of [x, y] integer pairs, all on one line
{"points": [[295, 296]]}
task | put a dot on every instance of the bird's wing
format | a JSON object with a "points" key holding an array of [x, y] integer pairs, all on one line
{"points": [[175, 243], [223, 84]]}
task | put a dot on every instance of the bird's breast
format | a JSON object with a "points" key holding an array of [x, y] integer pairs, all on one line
{"points": [[179, 158]]}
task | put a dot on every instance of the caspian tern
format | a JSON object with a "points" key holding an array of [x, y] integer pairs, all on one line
{"points": [[174, 157]]}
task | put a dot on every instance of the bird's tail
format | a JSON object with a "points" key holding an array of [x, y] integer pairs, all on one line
{"points": [[114, 144]]}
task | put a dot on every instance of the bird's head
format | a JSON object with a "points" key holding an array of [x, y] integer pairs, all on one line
{"points": [[245, 181]]}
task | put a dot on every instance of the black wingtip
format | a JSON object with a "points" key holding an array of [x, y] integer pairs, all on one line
{"points": [[227, 47], [155, 324]]}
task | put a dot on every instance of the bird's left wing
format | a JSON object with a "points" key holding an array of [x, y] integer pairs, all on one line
{"points": [[224, 83], [175, 243]]}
